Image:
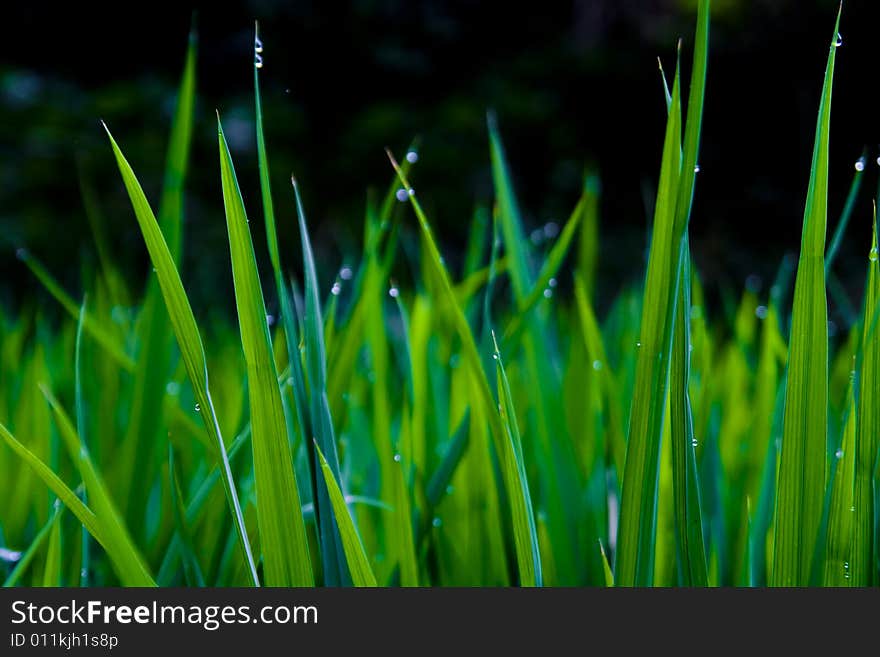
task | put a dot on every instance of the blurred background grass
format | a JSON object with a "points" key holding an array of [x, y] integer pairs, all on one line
{"points": [[573, 83]]}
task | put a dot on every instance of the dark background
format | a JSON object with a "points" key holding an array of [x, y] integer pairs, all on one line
{"points": [[572, 83]]}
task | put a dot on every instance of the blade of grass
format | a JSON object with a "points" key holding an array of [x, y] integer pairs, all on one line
{"points": [[358, 563], [188, 339], [801, 478], [286, 559]]}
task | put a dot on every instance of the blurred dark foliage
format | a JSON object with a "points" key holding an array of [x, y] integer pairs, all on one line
{"points": [[573, 84]]}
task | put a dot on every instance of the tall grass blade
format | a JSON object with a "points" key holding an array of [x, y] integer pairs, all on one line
{"points": [[801, 478], [286, 559]]}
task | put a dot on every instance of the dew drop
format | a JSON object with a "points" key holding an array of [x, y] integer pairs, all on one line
{"points": [[852, 509], [198, 408], [694, 442], [838, 454], [436, 522], [537, 236], [454, 361], [401, 194], [548, 293], [495, 356], [336, 289], [761, 312], [345, 273], [839, 41], [878, 160], [873, 256], [597, 365], [412, 157], [860, 164], [638, 345], [258, 45], [697, 168], [270, 319], [394, 293], [172, 388], [258, 60], [753, 283], [449, 489], [551, 229], [397, 458], [411, 191], [21, 253], [552, 282]]}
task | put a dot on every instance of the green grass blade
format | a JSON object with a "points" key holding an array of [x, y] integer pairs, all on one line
{"points": [[634, 562], [332, 544], [52, 572], [28, 556], [845, 215], [188, 339], [839, 537], [801, 479], [867, 438], [177, 158], [686, 487], [286, 559], [358, 563], [525, 534]]}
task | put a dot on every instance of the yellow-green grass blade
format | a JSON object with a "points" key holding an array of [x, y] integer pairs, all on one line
{"points": [[192, 570], [52, 570], [120, 560], [637, 526], [839, 542], [691, 555], [479, 380], [286, 559], [402, 524], [358, 563], [634, 559], [28, 555], [335, 573], [81, 430], [188, 339], [801, 478], [132, 569], [867, 439], [525, 534], [606, 567]]}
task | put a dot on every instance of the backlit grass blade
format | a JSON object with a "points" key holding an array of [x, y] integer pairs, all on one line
{"points": [[525, 534], [358, 563], [471, 356], [192, 570], [85, 515], [801, 478], [634, 561], [863, 565], [286, 559], [52, 571], [838, 564], [691, 555], [188, 338], [132, 569]]}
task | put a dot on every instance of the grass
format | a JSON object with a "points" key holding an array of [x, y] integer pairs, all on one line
{"points": [[374, 436]]}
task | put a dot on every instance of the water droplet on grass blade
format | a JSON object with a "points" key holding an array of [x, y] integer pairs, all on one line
{"points": [[336, 289], [198, 407], [761, 312], [694, 442], [258, 45], [397, 458], [597, 365], [552, 282], [258, 60], [401, 195], [394, 292], [860, 164], [548, 293], [839, 41], [172, 388], [270, 319], [345, 273], [436, 522], [412, 157], [873, 256], [696, 168], [838, 454]]}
